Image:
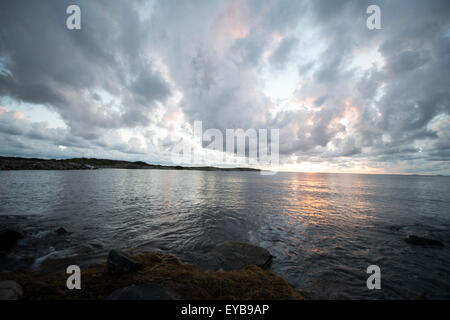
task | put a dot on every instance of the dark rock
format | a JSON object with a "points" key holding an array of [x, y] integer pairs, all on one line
{"points": [[87, 166], [420, 241], [395, 228], [120, 262], [10, 290], [233, 256], [144, 292], [9, 238], [52, 266], [61, 231]]}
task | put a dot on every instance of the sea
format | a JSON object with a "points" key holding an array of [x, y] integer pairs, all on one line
{"points": [[324, 230]]}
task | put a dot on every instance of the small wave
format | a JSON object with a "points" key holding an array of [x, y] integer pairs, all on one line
{"points": [[41, 234], [55, 254]]}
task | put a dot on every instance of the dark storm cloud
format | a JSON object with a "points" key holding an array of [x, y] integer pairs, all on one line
{"points": [[216, 70], [129, 59], [282, 54], [50, 65], [414, 79], [20, 136]]}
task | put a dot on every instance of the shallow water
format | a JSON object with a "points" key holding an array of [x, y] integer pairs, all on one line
{"points": [[323, 229]]}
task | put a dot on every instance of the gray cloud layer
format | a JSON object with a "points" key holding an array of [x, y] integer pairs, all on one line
{"points": [[131, 60]]}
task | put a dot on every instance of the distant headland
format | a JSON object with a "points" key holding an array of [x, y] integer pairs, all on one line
{"points": [[17, 163]]}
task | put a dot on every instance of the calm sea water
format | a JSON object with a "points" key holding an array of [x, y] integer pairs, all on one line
{"points": [[323, 229]]}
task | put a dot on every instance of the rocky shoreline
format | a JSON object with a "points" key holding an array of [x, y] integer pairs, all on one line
{"points": [[231, 270], [16, 163]]}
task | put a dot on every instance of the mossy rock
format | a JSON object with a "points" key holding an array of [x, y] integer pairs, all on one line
{"points": [[233, 255], [251, 282]]}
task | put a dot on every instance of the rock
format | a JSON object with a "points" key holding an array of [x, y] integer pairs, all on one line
{"points": [[420, 241], [395, 228], [10, 290], [144, 292], [120, 262], [61, 231], [87, 166], [52, 265], [235, 255], [9, 238]]}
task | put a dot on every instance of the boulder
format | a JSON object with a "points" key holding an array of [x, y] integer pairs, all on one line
{"points": [[87, 166], [420, 241], [61, 231], [8, 239], [235, 255], [57, 265], [144, 292], [120, 262], [10, 290]]}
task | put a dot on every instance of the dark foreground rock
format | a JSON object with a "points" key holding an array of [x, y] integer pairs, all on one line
{"points": [[420, 241], [53, 265], [167, 271], [10, 290], [120, 262], [8, 239], [234, 256], [61, 231], [144, 292]]}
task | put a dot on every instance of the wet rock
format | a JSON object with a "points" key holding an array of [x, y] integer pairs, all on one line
{"points": [[144, 292], [235, 255], [52, 266], [61, 231], [120, 262], [87, 166], [420, 241], [8, 239], [395, 228], [10, 290]]}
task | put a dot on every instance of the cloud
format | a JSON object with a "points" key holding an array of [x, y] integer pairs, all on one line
{"points": [[137, 75], [50, 65], [281, 55]]}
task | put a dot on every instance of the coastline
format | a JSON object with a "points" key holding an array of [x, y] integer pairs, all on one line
{"points": [[17, 163], [159, 276]]}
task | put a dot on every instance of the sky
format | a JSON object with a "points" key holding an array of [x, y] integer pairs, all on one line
{"points": [[131, 82]]}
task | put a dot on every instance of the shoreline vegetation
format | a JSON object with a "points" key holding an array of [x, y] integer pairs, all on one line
{"points": [[164, 276], [231, 271], [18, 163]]}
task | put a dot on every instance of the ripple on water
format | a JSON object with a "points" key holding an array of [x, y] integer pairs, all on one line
{"points": [[324, 230]]}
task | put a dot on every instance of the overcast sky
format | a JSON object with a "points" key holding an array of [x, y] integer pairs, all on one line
{"points": [[132, 81]]}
